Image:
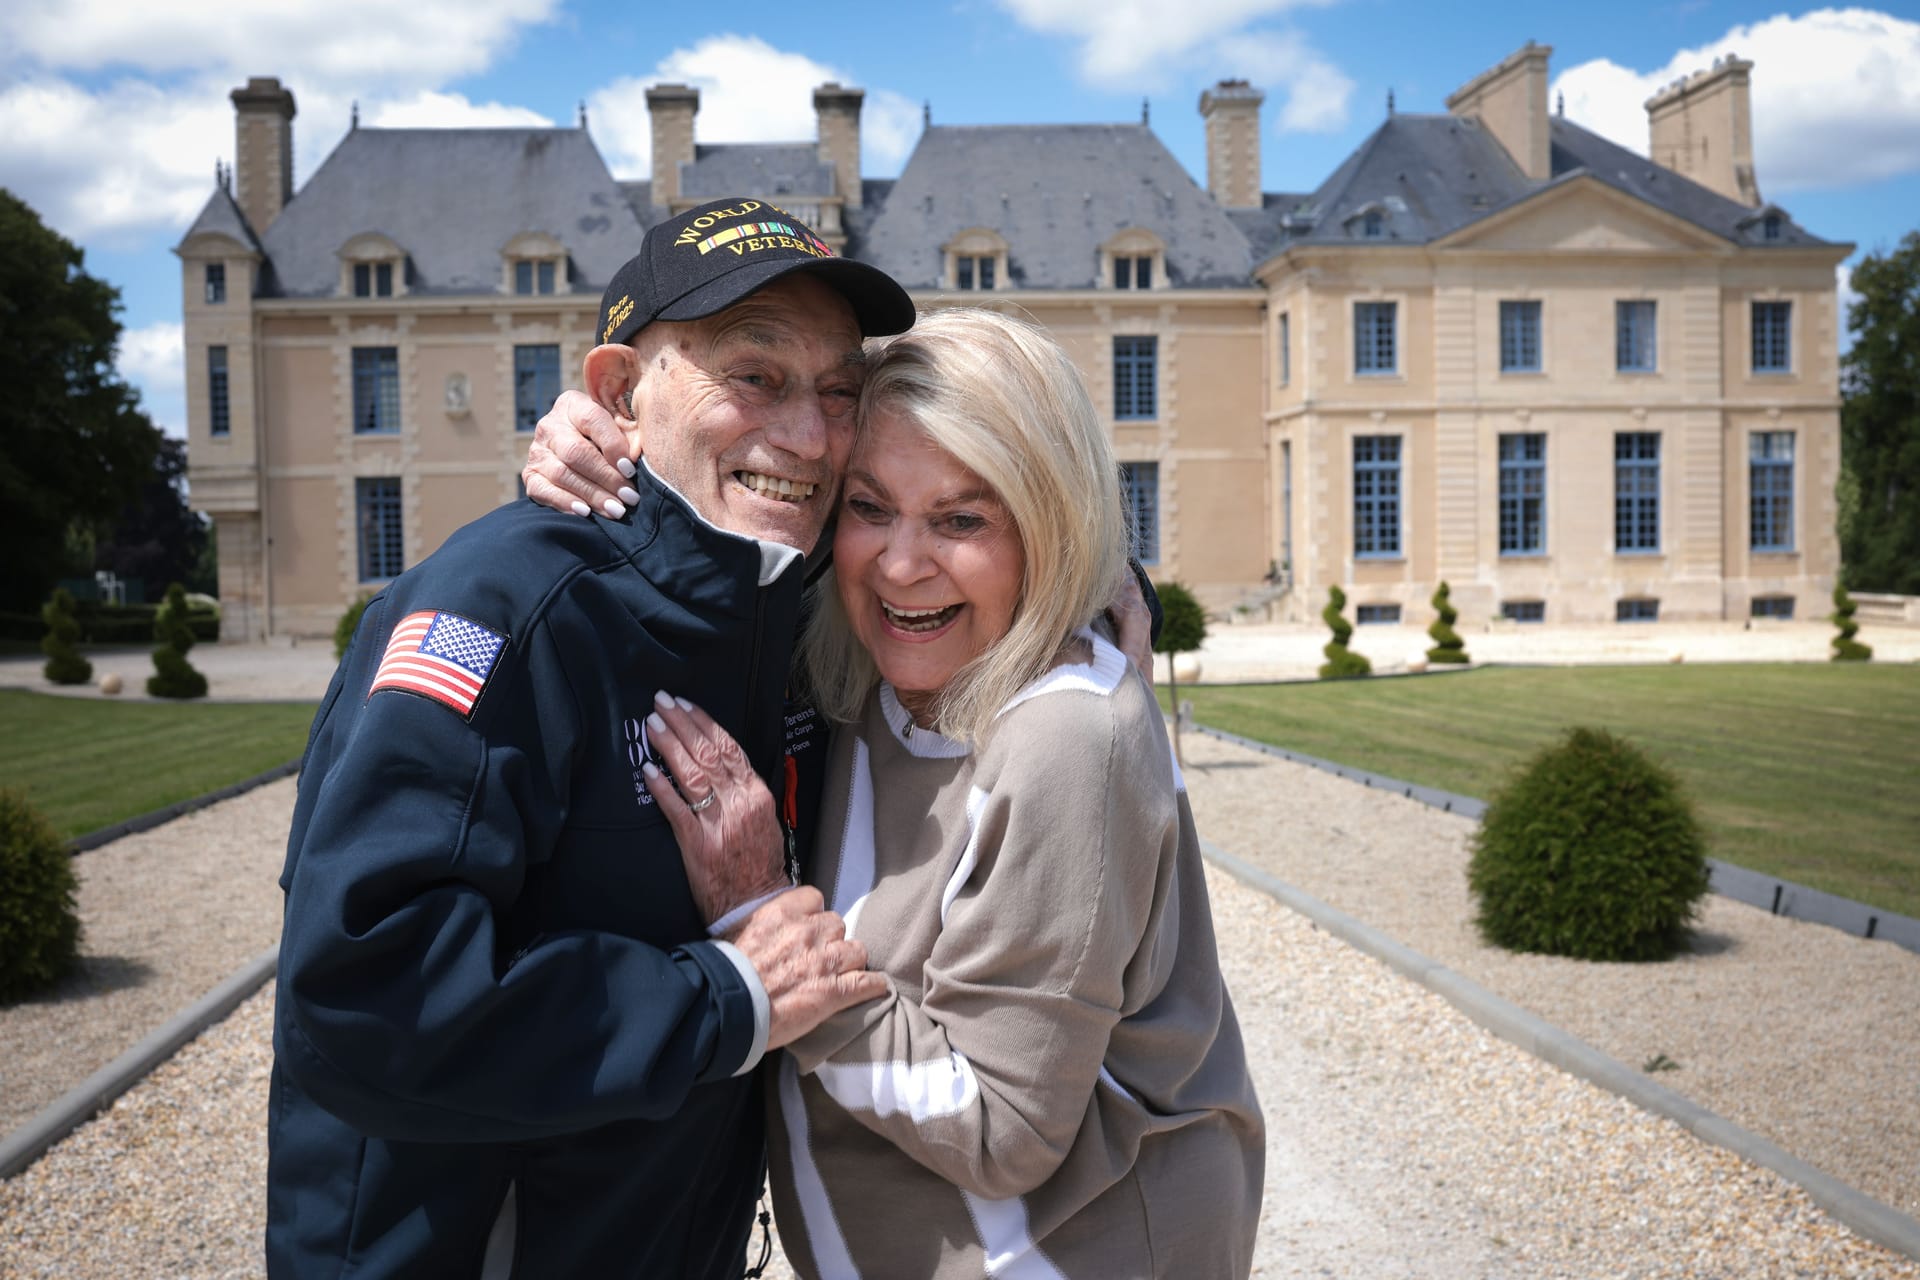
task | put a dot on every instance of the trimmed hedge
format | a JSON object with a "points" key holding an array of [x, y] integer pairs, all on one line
{"points": [[39, 915], [103, 624]]}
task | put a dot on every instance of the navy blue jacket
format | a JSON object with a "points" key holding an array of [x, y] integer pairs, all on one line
{"points": [[492, 973]]}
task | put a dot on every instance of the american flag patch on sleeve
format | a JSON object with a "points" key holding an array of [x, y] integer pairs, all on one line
{"points": [[440, 656]]}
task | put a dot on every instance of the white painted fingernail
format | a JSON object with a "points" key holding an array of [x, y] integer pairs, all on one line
{"points": [[663, 699], [655, 723], [627, 469], [613, 508], [629, 497], [683, 704], [647, 768], [581, 509]]}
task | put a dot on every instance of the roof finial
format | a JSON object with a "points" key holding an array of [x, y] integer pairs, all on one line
{"points": [[1146, 112], [355, 122], [1389, 102], [219, 180], [1562, 104], [926, 114], [583, 113]]}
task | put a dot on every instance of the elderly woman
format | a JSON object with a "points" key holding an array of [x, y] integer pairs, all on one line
{"points": [[1054, 1084]]}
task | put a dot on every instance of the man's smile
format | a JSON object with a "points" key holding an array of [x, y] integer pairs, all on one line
{"points": [[775, 487]]}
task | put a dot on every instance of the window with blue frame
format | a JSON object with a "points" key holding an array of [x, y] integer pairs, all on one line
{"points": [[219, 410], [1770, 490], [534, 276], [376, 390], [1374, 340], [1520, 337], [1524, 610], [1523, 494], [373, 279], [1134, 380], [1369, 615], [1636, 491], [1140, 494], [1635, 336], [1770, 607], [536, 383], [1376, 496], [377, 511], [1636, 611], [1373, 225], [1773, 337]]}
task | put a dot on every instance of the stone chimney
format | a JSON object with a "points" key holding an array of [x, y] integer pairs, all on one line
{"points": [[1510, 102], [1702, 127], [1232, 112], [838, 113], [262, 150], [672, 107]]}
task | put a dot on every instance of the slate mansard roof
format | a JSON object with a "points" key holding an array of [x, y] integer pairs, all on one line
{"points": [[453, 198]]}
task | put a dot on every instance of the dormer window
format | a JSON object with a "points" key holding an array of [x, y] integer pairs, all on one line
{"points": [[1134, 259], [1770, 227], [1373, 226], [533, 265], [976, 260], [372, 266]]}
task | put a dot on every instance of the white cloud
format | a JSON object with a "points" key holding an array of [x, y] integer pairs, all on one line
{"points": [[1314, 93], [1125, 43], [428, 109], [749, 92], [358, 42], [1836, 101], [152, 359]]}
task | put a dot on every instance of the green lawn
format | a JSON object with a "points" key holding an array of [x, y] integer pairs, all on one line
{"points": [[88, 764], [1807, 772]]}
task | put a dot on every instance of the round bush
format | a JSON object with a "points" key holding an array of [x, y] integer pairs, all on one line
{"points": [[1592, 851], [39, 928]]}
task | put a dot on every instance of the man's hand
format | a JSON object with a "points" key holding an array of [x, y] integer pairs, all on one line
{"points": [[805, 960], [721, 812], [578, 460], [1132, 624]]}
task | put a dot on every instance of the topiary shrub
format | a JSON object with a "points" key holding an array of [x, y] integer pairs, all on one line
{"points": [[1183, 628], [1341, 662], [173, 676], [1592, 851], [64, 663], [39, 926], [349, 623], [1845, 647], [1447, 644]]}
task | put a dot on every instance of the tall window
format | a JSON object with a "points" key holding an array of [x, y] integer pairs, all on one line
{"points": [[1376, 495], [1131, 271], [1635, 349], [1373, 338], [219, 419], [1140, 493], [1134, 391], [1773, 337], [216, 282], [376, 390], [1523, 494], [373, 279], [377, 516], [536, 384], [1636, 491], [974, 271], [1286, 348], [1770, 490], [533, 277], [1519, 337]]}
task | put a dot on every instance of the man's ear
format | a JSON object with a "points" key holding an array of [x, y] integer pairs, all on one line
{"points": [[611, 373]]}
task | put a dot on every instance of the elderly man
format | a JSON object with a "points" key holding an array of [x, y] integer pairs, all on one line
{"points": [[514, 1034]]}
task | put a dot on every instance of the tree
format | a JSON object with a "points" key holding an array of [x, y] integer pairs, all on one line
{"points": [[1183, 628], [158, 538], [1447, 644], [173, 676], [1341, 661], [1845, 647], [1880, 424], [77, 443], [64, 663]]}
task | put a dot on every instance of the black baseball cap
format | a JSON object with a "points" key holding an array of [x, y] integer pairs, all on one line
{"points": [[707, 259]]}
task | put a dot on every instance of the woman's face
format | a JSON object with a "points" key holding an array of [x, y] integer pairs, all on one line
{"points": [[928, 560]]}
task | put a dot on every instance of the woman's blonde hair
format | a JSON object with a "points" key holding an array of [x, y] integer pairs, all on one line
{"points": [[1002, 398]]}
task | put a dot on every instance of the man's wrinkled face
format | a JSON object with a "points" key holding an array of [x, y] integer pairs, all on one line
{"points": [[749, 413]]}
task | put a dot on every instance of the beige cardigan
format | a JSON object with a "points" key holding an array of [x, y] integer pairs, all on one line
{"points": [[1055, 1086]]}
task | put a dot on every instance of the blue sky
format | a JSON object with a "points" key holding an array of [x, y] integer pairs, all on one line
{"points": [[112, 115]]}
